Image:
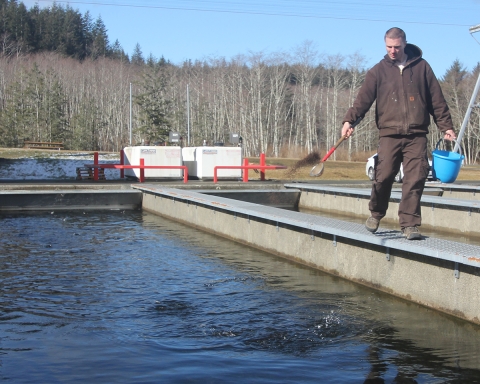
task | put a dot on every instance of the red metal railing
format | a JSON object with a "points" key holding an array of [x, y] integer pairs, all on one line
{"points": [[141, 166], [245, 167], [121, 166]]}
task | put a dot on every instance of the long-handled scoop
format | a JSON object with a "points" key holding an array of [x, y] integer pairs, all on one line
{"points": [[317, 170]]}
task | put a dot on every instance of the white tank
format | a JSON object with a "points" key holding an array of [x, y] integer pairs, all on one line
{"points": [[201, 161], [154, 155]]}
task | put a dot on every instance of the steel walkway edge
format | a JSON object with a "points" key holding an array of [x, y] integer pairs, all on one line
{"points": [[389, 239]]}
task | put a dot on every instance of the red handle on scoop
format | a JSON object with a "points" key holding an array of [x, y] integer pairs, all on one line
{"points": [[340, 141], [334, 148]]}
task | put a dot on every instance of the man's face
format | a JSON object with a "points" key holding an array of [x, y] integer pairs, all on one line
{"points": [[395, 48]]}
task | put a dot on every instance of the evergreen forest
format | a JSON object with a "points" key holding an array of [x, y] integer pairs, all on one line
{"points": [[61, 80]]}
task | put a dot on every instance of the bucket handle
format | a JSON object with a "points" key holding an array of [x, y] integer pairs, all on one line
{"points": [[453, 141]]}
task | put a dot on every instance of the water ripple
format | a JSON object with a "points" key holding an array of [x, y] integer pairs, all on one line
{"points": [[131, 297]]}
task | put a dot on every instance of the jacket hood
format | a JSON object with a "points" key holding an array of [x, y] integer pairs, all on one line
{"points": [[413, 52]]}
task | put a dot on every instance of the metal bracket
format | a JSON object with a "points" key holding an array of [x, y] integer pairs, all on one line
{"points": [[387, 255], [312, 236], [457, 271], [277, 227], [334, 240]]}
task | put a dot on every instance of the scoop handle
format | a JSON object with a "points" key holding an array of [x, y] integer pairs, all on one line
{"points": [[334, 148], [340, 140]]}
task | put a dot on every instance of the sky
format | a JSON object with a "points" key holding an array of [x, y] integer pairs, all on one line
{"points": [[182, 30]]}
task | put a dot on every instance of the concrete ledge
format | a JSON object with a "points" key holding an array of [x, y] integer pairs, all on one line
{"points": [[459, 191], [67, 200], [283, 198], [436, 273]]}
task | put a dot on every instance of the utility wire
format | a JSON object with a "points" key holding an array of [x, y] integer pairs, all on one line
{"points": [[252, 12]]}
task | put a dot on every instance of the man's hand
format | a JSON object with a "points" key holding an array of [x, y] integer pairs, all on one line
{"points": [[347, 129], [450, 135]]}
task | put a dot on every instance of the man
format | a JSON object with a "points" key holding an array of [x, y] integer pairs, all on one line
{"points": [[406, 92]]}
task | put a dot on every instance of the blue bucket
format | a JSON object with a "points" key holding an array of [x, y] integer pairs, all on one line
{"points": [[446, 165]]}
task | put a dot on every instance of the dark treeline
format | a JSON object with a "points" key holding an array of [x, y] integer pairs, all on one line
{"points": [[61, 80], [55, 29]]}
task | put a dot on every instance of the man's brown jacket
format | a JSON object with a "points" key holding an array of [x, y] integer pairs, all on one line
{"points": [[404, 99]]}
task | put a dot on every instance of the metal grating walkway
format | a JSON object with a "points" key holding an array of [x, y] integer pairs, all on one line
{"points": [[396, 196], [390, 239]]}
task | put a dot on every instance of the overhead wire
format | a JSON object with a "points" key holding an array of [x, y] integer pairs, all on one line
{"points": [[305, 12]]}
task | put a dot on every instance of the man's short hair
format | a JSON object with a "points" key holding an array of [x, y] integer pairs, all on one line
{"points": [[396, 33]]}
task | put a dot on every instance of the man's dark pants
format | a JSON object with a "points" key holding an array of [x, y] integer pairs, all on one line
{"points": [[392, 151]]}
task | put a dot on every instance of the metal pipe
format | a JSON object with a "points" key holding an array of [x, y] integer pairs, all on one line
{"points": [[475, 28], [188, 117], [456, 148], [467, 116], [130, 125]]}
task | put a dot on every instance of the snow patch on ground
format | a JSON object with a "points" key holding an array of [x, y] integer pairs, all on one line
{"points": [[55, 167]]}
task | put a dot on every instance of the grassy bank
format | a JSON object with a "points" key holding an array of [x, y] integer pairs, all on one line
{"points": [[333, 170], [340, 170]]}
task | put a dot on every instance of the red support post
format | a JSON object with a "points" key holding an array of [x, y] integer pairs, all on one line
{"points": [[95, 170], [245, 170], [262, 163], [142, 170], [122, 162]]}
